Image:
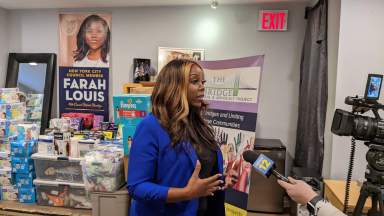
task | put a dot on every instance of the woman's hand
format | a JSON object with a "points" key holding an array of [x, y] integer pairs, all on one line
{"points": [[198, 187], [231, 179]]}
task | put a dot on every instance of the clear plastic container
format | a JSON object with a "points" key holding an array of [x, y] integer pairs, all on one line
{"points": [[56, 168], [103, 169], [59, 194]]}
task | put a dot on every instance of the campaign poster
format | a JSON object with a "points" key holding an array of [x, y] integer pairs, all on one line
{"points": [[232, 92], [84, 63]]}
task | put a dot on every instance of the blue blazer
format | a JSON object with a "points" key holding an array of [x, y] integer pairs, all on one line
{"points": [[155, 166]]}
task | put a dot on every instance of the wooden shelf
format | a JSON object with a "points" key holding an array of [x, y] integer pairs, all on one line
{"points": [[13, 208], [335, 193]]}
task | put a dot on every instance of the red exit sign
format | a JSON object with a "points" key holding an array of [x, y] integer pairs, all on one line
{"points": [[273, 20]]}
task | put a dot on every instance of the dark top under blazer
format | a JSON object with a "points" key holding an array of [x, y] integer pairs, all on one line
{"points": [[155, 166]]}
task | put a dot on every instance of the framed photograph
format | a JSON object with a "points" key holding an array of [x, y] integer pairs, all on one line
{"points": [[141, 69], [167, 54]]}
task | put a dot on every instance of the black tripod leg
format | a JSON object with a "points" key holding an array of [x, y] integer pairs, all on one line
{"points": [[381, 204], [374, 211], [360, 203]]}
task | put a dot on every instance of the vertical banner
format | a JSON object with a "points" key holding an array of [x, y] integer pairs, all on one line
{"points": [[232, 92], [84, 61]]}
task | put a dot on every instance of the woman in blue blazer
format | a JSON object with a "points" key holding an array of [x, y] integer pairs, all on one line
{"points": [[175, 165]]}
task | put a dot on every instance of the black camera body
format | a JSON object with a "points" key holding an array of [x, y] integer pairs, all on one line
{"points": [[362, 127]]}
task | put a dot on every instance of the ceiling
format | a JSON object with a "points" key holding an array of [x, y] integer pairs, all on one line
{"points": [[38, 4]]}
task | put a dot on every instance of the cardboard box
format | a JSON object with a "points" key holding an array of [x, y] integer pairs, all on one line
{"points": [[141, 90], [129, 109]]}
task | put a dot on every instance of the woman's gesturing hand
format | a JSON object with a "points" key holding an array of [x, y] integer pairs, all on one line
{"points": [[198, 187]]}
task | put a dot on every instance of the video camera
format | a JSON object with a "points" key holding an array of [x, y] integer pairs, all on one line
{"points": [[362, 127], [370, 130]]}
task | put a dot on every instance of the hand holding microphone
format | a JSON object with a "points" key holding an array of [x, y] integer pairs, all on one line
{"points": [[263, 165], [298, 190]]}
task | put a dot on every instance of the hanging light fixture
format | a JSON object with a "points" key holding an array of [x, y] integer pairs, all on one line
{"points": [[214, 4]]}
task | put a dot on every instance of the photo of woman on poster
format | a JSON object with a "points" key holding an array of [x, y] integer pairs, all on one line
{"points": [[93, 43]]}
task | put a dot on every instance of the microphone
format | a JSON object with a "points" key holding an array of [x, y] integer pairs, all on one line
{"points": [[263, 165]]}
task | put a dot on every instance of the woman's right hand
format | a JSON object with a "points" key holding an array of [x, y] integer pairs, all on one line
{"points": [[198, 187]]}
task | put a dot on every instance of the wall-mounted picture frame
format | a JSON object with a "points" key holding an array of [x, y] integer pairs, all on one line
{"points": [[141, 69], [167, 54]]}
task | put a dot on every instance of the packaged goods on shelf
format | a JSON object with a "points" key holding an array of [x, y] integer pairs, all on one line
{"points": [[128, 132], [76, 124], [24, 180], [61, 143], [28, 131], [9, 193], [5, 163], [15, 111], [87, 118], [27, 195], [21, 165], [62, 124], [5, 147], [34, 100], [45, 145], [97, 120], [131, 108], [8, 128], [59, 194], [79, 147], [56, 168], [23, 148], [9, 95], [6, 176]]}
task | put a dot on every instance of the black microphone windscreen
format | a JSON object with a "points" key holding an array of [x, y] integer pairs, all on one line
{"points": [[250, 156]]}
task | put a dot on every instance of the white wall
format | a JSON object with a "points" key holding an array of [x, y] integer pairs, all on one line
{"points": [[333, 48], [3, 45], [228, 32], [361, 45]]}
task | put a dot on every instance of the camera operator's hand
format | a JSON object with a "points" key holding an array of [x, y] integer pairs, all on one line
{"points": [[299, 191], [198, 187]]}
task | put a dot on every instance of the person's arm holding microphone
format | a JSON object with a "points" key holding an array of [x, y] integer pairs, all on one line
{"points": [[302, 193], [299, 191]]}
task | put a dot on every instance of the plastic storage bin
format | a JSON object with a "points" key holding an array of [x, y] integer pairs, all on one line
{"points": [[103, 169], [56, 168], [73, 195]]}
